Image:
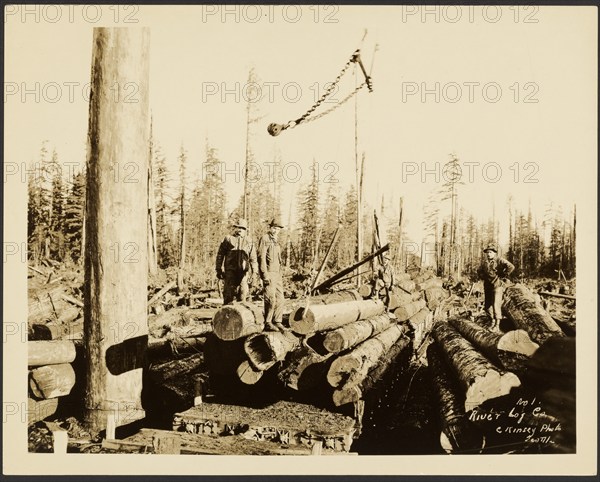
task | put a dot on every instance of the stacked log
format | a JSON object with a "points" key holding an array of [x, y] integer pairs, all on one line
{"points": [[510, 350], [352, 334], [421, 323], [350, 369], [458, 433], [238, 320], [51, 375], [479, 378], [323, 317], [519, 303], [353, 393]]}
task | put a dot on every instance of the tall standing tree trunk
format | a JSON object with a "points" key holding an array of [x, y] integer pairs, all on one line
{"points": [[116, 265], [152, 247]]}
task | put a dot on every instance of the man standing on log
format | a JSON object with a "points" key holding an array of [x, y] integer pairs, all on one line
{"points": [[269, 256], [494, 272], [236, 263]]}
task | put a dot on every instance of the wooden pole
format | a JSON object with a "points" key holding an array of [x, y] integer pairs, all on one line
{"points": [[116, 265], [331, 281], [324, 262], [359, 213], [152, 247], [400, 258]]}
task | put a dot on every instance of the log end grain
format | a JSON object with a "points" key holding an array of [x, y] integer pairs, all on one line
{"points": [[494, 384], [518, 341], [247, 374], [346, 395], [341, 370], [302, 320]]}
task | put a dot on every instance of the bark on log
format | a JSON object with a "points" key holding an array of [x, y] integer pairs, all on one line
{"points": [[557, 295], [352, 368], [354, 333], [199, 314], [407, 310], [52, 381], [238, 320], [519, 304], [328, 317], [430, 283], [266, 349], [434, 296], [421, 324], [115, 291], [40, 409], [248, 374], [40, 307], [479, 378], [398, 298], [408, 286], [458, 433], [304, 369], [354, 393], [194, 330], [512, 350], [53, 352], [365, 290], [166, 371], [172, 347], [326, 299], [423, 276], [402, 276]]}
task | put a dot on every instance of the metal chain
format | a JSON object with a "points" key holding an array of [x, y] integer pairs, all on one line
{"points": [[340, 103], [326, 94]]}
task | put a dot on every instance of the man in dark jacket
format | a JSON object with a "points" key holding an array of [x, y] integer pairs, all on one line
{"points": [[269, 258], [236, 263], [494, 272]]}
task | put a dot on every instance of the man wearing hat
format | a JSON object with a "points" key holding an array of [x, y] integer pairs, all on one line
{"points": [[269, 264], [494, 272], [236, 263]]}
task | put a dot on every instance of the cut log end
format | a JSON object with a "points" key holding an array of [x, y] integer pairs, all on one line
{"points": [[247, 374], [302, 321], [518, 341], [346, 395], [334, 341], [493, 385]]}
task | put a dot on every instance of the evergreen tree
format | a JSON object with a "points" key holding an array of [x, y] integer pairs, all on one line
{"points": [[73, 217], [309, 220]]}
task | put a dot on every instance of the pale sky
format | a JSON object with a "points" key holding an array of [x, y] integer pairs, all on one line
{"points": [[516, 94]]}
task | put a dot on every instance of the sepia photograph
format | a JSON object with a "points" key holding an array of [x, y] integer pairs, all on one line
{"points": [[300, 230]]}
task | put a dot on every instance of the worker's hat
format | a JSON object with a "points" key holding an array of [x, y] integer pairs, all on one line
{"points": [[241, 223], [276, 222], [491, 247]]}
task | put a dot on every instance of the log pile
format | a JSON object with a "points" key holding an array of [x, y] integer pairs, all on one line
{"points": [[488, 383], [55, 361], [338, 345], [322, 330], [51, 375]]}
